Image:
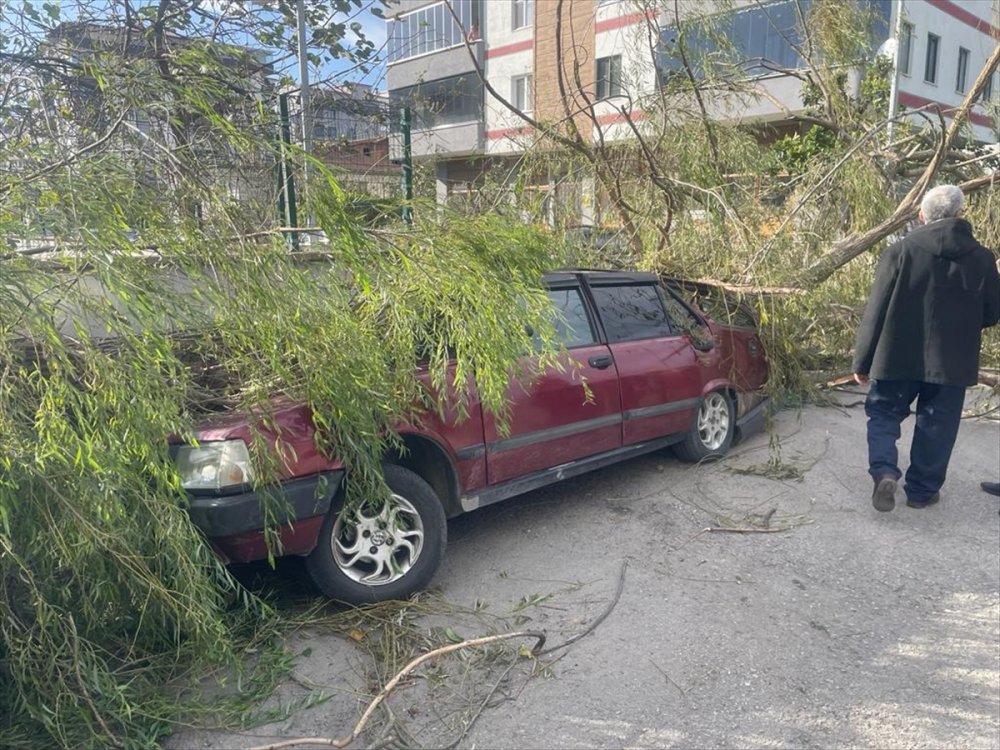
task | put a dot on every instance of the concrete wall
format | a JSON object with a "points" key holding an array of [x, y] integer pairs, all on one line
{"points": [[433, 65], [510, 53]]}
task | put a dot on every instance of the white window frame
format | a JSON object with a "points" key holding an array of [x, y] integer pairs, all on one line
{"points": [[962, 73], [522, 14], [906, 36], [937, 59], [527, 84], [614, 87]]}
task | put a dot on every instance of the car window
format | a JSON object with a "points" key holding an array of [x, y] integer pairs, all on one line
{"points": [[572, 324], [724, 309], [682, 318], [632, 312]]}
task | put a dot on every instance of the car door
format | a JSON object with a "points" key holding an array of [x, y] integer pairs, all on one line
{"points": [[741, 352], [553, 419], [659, 371]]}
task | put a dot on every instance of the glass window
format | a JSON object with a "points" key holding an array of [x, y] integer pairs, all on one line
{"points": [[931, 62], [609, 77], [441, 16], [963, 70], [763, 38], [632, 312], [420, 43], [412, 33], [522, 13], [520, 93], [445, 101], [390, 41], [572, 323], [987, 94], [449, 30], [905, 47]]}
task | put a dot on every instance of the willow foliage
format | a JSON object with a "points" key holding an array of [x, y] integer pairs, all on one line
{"points": [[111, 348], [160, 300]]}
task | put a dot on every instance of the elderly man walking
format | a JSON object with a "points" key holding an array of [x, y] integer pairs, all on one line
{"points": [[934, 292]]}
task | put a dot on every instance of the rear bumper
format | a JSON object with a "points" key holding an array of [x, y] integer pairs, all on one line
{"points": [[235, 523]]}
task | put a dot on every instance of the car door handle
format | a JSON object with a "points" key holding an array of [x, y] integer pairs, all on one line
{"points": [[601, 361]]}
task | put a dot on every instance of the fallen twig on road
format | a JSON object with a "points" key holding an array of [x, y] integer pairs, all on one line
{"points": [[391, 685], [599, 619], [744, 529]]}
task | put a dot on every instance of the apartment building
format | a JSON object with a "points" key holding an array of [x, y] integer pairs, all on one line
{"points": [[941, 46], [616, 54]]}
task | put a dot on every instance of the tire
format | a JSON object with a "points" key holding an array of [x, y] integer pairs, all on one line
{"points": [[712, 433], [402, 563]]}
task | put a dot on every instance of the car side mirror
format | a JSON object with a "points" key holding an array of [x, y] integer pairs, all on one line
{"points": [[701, 339]]}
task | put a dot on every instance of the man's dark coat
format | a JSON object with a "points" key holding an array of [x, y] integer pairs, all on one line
{"points": [[934, 292]]}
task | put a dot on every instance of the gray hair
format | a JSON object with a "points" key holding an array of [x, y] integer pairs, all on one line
{"points": [[942, 202]]}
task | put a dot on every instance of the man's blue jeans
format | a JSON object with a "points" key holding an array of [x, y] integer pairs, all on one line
{"points": [[939, 411]]}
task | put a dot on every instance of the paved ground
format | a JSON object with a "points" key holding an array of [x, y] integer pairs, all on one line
{"points": [[851, 628]]}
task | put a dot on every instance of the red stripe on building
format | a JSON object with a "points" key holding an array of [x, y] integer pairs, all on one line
{"points": [[918, 102], [509, 49], [617, 117], [621, 22], [979, 24], [495, 135]]}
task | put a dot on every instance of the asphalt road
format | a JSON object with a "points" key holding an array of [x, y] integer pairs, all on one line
{"points": [[846, 628]]}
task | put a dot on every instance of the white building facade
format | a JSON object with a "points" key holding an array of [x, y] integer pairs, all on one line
{"points": [[612, 55]]}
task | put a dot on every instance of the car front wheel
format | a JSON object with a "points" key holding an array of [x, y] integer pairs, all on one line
{"points": [[712, 434], [378, 551]]}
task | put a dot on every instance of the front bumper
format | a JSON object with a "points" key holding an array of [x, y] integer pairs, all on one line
{"points": [[297, 500]]}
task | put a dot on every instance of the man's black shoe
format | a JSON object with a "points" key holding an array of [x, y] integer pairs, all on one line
{"points": [[884, 496], [926, 503], [992, 488]]}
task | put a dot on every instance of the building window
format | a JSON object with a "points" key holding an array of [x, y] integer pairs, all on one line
{"points": [[931, 62], [762, 39], [905, 48], [987, 93], [446, 101], [963, 69], [609, 77], [433, 28], [523, 13], [520, 93]]}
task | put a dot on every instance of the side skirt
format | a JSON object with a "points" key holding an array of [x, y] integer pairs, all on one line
{"points": [[490, 495]]}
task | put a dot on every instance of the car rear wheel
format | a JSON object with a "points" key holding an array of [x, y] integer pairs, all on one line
{"points": [[712, 434], [379, 551]]}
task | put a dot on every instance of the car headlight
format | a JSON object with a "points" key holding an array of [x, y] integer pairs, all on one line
{"points": [[213, 466]]}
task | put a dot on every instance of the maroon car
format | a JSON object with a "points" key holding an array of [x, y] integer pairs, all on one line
{"points": [[659, 374]]}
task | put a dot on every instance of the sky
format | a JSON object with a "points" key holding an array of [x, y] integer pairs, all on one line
{"points": [[336, 71], [332, 71]]}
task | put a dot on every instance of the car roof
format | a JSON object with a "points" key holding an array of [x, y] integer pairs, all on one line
{"points": [[600, 275]]}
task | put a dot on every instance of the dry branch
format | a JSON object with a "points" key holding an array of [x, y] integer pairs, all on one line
{"points": [[852, 246], [599, 619], [394, 682]]}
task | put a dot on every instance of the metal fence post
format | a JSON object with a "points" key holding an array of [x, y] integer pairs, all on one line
{"points": [[407, 175], [286, 193]]}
